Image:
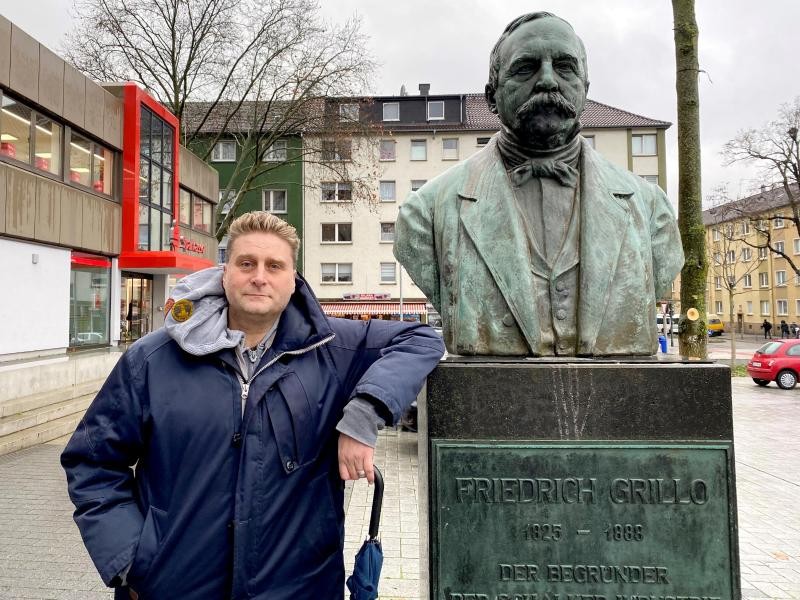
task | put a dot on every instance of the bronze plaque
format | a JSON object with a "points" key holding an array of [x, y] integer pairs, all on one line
{"points": [[581, 521]]}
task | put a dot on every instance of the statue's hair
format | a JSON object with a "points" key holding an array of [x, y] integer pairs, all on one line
{"points": [[494, 57], [260, 221]]}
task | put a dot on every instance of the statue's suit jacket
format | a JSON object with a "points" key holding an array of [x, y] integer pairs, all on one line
{"points": [[462, 241]]}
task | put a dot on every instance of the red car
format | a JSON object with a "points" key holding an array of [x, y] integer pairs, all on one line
{"points": [[778, 361]]}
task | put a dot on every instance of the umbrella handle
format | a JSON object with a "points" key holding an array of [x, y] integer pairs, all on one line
{"points": [[377, 504]]}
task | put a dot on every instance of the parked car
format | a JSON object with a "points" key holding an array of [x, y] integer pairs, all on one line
{"points": [[715, 326], [778, 361]]}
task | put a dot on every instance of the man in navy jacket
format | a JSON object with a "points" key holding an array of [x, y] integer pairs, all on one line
{"points": [[209, 466]]}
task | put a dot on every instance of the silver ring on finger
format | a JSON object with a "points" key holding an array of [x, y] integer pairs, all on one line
{"points": [[361, 474]]}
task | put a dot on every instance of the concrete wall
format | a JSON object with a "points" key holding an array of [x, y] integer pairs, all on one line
{"points": [[41, 209], [38, 75], [198, 176], [35, 306]]}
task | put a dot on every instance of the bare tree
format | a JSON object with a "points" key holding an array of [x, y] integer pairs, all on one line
{"points": [[731, 258], [775, 147], [258, 70], [693, 341]]}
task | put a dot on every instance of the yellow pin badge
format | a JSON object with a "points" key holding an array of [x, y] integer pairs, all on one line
{"points": [[182, 310]]}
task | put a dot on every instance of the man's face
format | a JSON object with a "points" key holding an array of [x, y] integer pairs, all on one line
{"points": [[258, 277], [541, 88]]}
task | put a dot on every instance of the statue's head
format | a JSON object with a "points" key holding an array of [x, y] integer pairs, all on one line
{"points": [[538, 80]]}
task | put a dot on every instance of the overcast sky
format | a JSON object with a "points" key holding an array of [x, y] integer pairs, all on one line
{"points": [[749, 51]]}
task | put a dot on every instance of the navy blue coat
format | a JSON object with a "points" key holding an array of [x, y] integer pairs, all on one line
{"points": [[229, 506]]}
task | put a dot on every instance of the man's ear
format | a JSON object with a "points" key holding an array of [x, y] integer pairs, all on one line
{"points": [[489, 92]]}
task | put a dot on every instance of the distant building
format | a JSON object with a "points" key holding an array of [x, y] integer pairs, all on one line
{"points": [[348, 246], [98, 205], [765, 285]]}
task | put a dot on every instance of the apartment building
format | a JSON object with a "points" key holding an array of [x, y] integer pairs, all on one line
{"points": [[750, 244], [348, 241]]}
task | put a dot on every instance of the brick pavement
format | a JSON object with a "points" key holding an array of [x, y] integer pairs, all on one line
{"points": [[41, 556]]}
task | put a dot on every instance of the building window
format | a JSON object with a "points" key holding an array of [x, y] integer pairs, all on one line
{"points": [[449, 148], [765, 307], [482, 141], [589, 140], [15, 138], [89, 300], [796, 245], [227, 205], [337, 150], [435, 110], [156, 163], [224, 151], [337, 272], [388, 150], [797, 307], [763, 280], [745, 227], [275, 201], [337, 233], [348, 112], [747, 280], [718, 283], [185, 207], [337, 191], [747, 254], [763, 252], [417, 183], [718, 307], [391, 111], [276, 152], [777, 222], [779, 247], [782, 306], [749, 305], [47, 146], [419, 150], [91, 165], [202, 214], [387, 232], [388, 191], [717, 258], [780, 278], [388, 272], [643, 145], [651, 179], [715, 234], [730, 256]]}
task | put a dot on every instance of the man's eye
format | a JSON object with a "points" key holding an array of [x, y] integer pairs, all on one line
{"points": [[246, 264]]}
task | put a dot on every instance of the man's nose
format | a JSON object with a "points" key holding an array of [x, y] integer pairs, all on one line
{"points": [[259, 277], [545, 81]]}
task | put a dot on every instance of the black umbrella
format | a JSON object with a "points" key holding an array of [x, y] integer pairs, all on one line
{"points": [[363, 583]]}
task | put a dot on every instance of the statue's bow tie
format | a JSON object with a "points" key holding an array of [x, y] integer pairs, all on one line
{"points": [[554, 169]]}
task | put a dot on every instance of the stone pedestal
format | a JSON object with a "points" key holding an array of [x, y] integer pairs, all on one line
{"points": [[577, 480]]}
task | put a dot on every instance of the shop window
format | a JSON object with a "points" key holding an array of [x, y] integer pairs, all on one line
{"points": [[91, 164], [89, 294], [80, 160]]}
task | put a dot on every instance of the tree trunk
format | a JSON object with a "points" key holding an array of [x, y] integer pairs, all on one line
{"points": [[693, 338]]}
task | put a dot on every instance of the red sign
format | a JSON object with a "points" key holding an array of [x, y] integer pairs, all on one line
{"points": [[184, 245], [378, 296]]}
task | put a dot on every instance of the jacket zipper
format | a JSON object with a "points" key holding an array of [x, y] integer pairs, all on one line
{"points": [[245, 385]]}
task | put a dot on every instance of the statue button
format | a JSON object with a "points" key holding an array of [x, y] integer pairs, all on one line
{"points": [[561, 314], [560, 286], [508, 320]]}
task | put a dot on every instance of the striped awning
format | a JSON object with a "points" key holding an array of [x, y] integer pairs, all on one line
{"points": [[341, 309]]}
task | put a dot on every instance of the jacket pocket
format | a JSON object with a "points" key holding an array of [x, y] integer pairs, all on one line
{"points": [[153, 531], [293, 424]]}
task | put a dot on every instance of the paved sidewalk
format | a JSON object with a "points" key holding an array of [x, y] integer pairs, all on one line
{"points": [[41, 555]]}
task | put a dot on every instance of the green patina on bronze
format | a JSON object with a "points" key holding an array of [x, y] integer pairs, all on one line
{"points": [[602, 520], [500, 286]]}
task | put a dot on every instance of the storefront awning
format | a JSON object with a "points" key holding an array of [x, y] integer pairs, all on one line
{"points": [[341, 309]]}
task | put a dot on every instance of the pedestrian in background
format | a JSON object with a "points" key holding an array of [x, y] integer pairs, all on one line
{"points": [[784, 329], [767, 327], [242, 415]]}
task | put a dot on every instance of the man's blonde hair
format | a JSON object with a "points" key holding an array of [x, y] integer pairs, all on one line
{"points": [[260, 221]]}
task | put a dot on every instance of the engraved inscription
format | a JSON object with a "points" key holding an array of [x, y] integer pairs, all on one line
{"points": [[539, 490]]}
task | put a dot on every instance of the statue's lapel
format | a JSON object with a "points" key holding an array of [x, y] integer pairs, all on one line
{"points": [[490, 217], [605, 217]]}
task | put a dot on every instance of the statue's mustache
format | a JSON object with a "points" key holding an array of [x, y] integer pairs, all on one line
{"points": [[547, 100]]}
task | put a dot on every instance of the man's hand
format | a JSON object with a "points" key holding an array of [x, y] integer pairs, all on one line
{"points": [[355, 459], [134, 595]]}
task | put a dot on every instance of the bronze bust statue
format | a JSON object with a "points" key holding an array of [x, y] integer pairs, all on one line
{"points": [[537, 245]]}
